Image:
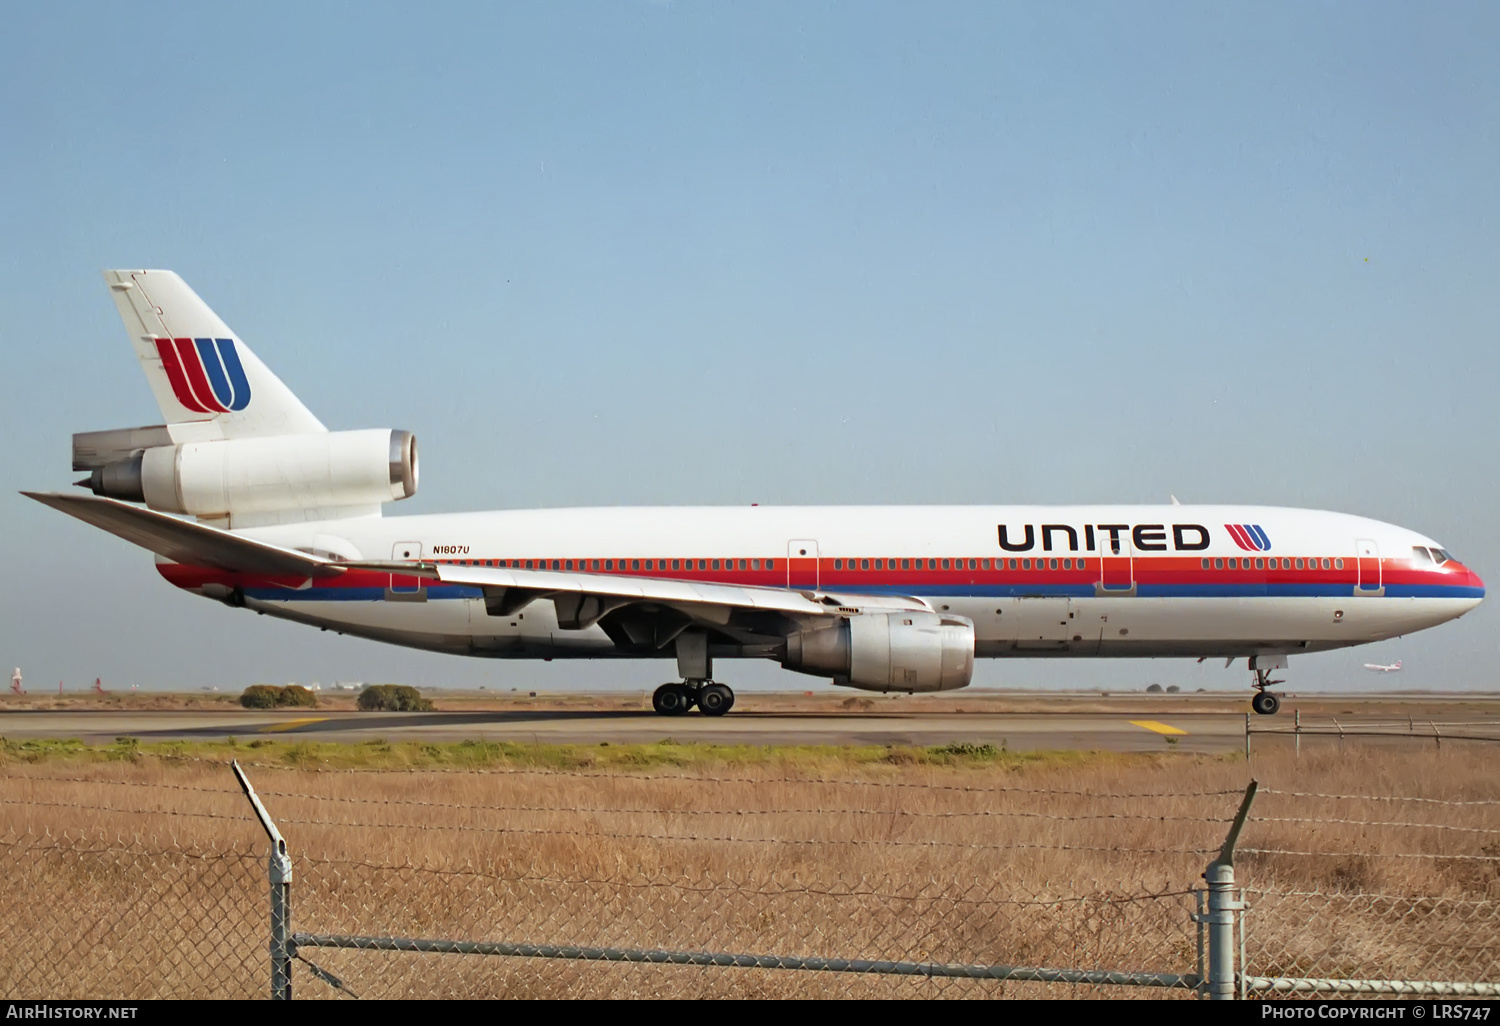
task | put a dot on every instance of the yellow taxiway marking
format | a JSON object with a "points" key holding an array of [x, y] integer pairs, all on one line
{"points": [[292, 724], [1160, 728]]}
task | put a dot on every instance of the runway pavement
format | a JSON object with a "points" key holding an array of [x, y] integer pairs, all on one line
{"points": [[1126, 723]]}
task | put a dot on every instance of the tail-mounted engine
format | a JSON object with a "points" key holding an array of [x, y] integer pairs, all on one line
{"points": [[888, 652], [338, 470]]}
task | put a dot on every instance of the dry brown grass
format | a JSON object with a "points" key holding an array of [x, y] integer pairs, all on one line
{"points": [[1080, 862]]}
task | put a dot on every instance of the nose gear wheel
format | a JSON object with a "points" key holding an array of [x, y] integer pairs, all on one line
{"points": [[1265, 703]]}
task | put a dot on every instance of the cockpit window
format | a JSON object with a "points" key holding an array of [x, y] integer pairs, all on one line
{"points": [[1441, 556], [1420, 555]]}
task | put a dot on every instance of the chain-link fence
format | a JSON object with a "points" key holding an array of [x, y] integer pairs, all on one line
{"points": [[1353, 894], [109, 916], [545, 883]]}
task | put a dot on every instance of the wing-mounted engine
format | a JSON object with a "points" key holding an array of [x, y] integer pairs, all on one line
{"points": [[907, 651], [251, 480]]}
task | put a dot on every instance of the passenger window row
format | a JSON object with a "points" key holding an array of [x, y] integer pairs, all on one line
{"points": [[959, 564], [615, 565], [618, 564], [1271, 564]]}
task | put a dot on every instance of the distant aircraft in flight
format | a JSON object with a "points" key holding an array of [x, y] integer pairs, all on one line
{"points": [[884, 598], [1383, 668]]}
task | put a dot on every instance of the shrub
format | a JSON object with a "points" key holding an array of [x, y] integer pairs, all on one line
{"points": [[966, 749], [297, 695], [269, 696], [260, 696], [393, 698]]}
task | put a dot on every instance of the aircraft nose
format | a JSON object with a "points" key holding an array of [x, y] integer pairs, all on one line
{"points": [[1473, 587]]}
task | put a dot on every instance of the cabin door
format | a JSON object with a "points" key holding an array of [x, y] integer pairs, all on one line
{"points": [[1116, 563], [406, 587], [802, 564], [1369, 567]]}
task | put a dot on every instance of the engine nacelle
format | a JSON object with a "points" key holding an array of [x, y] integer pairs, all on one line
{"points": [[888, 652], [239, 476]]}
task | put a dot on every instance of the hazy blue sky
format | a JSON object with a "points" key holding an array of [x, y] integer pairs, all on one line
{"points": [[629, 252]]}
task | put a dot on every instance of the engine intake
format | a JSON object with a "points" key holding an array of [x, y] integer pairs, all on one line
{"points": [[888, 652], [334, 470]]}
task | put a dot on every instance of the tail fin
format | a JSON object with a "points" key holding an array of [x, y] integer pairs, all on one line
{"points": [[200, 373]]}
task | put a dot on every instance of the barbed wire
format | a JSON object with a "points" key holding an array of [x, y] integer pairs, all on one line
{"points": [[154, 785], [573, 809], [1378, 797], [248, 817], [120, 845], [719, 885], [1371, 823], [755, 780], [612, 835], [616, 771], [1370, 896], [1366, 854], [996, 813], [463, 828]]}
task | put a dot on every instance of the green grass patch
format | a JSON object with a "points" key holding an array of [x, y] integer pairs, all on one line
{"points": [[667, 753]]}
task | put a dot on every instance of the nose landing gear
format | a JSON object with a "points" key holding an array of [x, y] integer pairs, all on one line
{"points": [[710, 698], [1265, 702]]}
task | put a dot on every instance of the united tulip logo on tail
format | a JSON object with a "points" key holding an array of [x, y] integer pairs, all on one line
{"points": [[205, 373], [1250, 537]]}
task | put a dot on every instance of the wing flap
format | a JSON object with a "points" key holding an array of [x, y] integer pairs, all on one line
{"points": [[184, 541]]}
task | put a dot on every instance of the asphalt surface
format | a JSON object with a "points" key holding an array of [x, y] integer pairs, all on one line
{"points": [[1125, 724]]}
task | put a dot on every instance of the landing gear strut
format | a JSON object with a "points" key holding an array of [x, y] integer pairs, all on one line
{"points": [[710, 698]]}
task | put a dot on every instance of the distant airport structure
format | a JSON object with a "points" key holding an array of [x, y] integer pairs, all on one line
{"points": [[15, 682]]}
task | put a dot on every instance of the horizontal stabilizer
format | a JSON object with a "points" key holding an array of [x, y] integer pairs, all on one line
{"points": [[184, 541]]}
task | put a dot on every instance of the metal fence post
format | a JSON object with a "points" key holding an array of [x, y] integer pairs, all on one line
{"points": [[280, 873], [1222, 909]]}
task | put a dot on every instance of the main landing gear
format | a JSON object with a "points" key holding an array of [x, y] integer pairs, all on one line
{"points": [[1265, 702], [697, 687], [710, 698]]}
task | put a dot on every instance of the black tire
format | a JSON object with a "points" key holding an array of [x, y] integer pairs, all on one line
{"points": [[715, 699], [672, 700], [1265, 703]]}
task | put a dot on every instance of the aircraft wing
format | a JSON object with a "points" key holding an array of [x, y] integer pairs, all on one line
{"points": [[582, 599], [640, 610], [185, 541]]}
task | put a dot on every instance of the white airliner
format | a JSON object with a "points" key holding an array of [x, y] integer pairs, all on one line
{"points": [[897, 598], [1384, 667]]}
